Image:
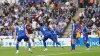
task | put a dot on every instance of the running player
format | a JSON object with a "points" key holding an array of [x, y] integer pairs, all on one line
{"points": [[21, 32], [30, 32], [85, 35], [74, 31], [99, 36], [47, 34], [55, 35]]}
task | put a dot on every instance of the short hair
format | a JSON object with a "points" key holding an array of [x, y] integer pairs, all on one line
{"points": [[83, 22], [19, 23], [73, 20]]}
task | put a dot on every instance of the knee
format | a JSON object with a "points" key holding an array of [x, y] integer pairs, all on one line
{"points": [[17, 42], [33, 39], [72, 41]]}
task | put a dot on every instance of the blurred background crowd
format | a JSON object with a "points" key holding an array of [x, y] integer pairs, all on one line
{"points": [[91, 16], [55, 13]]}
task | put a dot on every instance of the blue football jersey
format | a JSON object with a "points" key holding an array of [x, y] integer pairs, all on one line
{"points": [[74, 28], [54, 32], [44, 30], [21, 30], [84, 31]]}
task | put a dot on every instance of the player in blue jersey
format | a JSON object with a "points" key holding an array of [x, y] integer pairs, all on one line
{"points": [[47, 34], [54, 32], [21, 32], [74, 32], [98, 35], [85, 35]]}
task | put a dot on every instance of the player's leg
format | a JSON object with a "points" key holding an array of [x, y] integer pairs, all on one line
{"points": [[17, 44], [73, 42], [26, 38], [53, 39], [44, 43], [58, 43], [86, 43], [17, 47], [32, 37], [77, 41], [99, 41], [53, 44], [56, 38], [25, 45], [29, 46]]}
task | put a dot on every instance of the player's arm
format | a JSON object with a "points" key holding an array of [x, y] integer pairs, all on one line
{"points": [[25, 27], [98, 33], [85, 31], [15, 34], [26, 31], [32, 27]]}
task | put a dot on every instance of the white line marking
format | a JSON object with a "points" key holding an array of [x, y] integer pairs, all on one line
{"points": [[66, 53], [40, 55]]}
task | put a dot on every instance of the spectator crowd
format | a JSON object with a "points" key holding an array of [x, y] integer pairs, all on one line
{"points": [[54, 13], [91, 16]]}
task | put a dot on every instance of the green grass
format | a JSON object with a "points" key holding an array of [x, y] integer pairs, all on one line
{"points": [[80, 51]]}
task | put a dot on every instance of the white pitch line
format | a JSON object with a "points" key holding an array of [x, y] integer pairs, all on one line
{"points": [[66, 53]]}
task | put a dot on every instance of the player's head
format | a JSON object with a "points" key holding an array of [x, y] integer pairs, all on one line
{"points": [[42, 24], [28, 22], [83, 23], [73, 21], [12, 27], [20, 23]]}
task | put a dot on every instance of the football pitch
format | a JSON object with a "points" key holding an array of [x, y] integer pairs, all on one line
{"points": [[38, 51]]}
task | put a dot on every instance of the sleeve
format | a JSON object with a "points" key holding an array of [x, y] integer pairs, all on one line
{"points": [[24, 26], [40, 33], [72, 27], [85, 29], [77, 25], [39, 27], [16, 28], [57, 32]]}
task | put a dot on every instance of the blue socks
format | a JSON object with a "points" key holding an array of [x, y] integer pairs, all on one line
{"points": [[17, 46], [87, 45], [73, 46], [44, 44], [29, 45], [58, 43], [77, 42], [53, 44], [99, 40]]}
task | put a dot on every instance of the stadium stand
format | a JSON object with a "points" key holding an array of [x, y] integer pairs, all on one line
{"points": [[57, 13], [91, 16]]}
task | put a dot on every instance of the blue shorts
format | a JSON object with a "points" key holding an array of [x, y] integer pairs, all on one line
{"points": [[26, 38], [46, 36], [55, 36], [73, 36], [85, 38]]}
